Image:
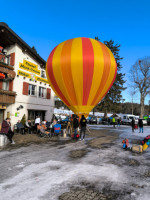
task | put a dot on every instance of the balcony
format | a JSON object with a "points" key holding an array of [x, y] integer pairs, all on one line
{"points": [[7, 97], [6, 62]]}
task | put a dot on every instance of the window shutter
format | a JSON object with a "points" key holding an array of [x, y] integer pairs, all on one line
{"points": [[1, 84], [1, 56], [12, 59], [11, 85], [25, 88], [48, 96]]}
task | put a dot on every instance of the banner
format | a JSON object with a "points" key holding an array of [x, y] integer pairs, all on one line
{"points": [[41, 79], [32, 77], [25, 74], [33, 68], [30, 69], [29, 64], [2, 106]]}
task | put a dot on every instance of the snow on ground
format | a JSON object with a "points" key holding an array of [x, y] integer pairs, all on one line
{"points": [[43, 172], [54, 177], [124, 129]]}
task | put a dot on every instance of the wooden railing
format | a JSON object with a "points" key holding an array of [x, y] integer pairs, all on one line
{"points": [[7, 96]]}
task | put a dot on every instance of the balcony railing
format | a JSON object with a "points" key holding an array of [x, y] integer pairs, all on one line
{"points": [[4, 59], [7, 96], [5, 66]]}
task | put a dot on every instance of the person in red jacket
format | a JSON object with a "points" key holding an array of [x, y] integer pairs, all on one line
{"points": [[6, 129]]}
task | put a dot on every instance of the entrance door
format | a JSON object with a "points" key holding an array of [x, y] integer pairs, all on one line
{"points": [[40, 114], [32, 114]]}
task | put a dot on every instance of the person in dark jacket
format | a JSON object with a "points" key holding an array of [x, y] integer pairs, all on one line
{"points": [[140, 125], [133, 124], [118, 122], [20, 127], [108, 121], [75, 126], [6, 129], [83, 123]]}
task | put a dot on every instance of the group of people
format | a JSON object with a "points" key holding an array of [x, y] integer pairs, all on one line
{"points": [[30, 127], [9, 132], [140, 124], [21, 128], [82, 124], [41, 127]]}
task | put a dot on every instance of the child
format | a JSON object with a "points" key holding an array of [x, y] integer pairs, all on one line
{"points": [[125, 143]]}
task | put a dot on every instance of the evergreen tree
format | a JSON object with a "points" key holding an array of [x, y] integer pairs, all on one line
{"points": [[34, 49], [23, 120], [110, 102]]}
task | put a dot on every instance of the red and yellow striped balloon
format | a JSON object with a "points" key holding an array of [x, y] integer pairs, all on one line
{"points": [[81, 71]]}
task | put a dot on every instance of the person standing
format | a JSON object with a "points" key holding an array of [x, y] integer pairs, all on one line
{"points": [[6, 129], [133, 124], [83, 123], [108, 121], [118, 122], [69, 127], [140, 125], [37, 122], [28, 126], [113, 121], [75, 126], [20, 127]]}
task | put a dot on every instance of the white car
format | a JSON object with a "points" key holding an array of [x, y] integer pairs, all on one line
{"points": [[144, 121]]}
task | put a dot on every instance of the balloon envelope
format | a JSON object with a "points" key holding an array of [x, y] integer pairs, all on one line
{"points": [[81, 71]]}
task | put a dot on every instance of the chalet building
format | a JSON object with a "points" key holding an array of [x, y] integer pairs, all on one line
{"points": [[24, 88]]}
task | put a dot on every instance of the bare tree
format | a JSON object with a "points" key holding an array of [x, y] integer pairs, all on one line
{"points": [[132, 94], [140, 76]]}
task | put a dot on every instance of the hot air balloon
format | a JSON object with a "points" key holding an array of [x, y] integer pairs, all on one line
{"points": [[81, 71]]}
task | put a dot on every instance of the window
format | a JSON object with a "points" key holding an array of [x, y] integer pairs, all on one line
{"points": [[42, 92], [124, 117], [5, 85], [43, 74], [130, 117], [7, 60], [32, 90]]}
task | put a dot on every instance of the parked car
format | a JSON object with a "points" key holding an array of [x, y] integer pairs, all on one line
{"points": [[93, 120], [144, 121], [88, 119], [104, 120], [66, 120], [60, 118], [127, 119], [99, 121], [148, 121]]}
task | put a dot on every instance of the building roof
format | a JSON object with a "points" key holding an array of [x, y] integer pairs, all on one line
{"points": [[9, 37]]}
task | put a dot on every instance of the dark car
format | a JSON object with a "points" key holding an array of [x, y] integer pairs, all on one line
{"points": [[93, 120], [104, 120], [148, 121], [88, 119]]}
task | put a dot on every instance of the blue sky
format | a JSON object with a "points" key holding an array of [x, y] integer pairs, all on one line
{"points": [[44, 24]]}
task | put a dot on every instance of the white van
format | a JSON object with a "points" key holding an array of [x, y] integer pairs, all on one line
{"points": [[127, 118]]}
